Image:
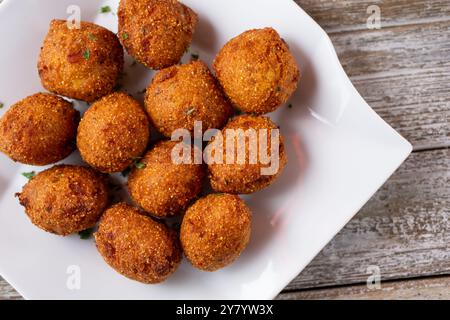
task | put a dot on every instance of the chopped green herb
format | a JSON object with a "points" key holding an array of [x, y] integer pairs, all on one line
{"points": [[190, 111], [139, 165], [91, 36], [87, 54], [125, 36], [105, 9], [195, 56], [1, 105], [29, 175], [126, 172], [86, 234]]}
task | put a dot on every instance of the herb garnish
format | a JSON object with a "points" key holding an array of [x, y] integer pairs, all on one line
{"points": [[105, 9], [125, 36], [1, 105], [29, 175], [139, 165], [92, 37], [86, 234], [87, 54]]}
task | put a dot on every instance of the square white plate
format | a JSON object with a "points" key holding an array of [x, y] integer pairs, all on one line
{"points": [[340, 152]]}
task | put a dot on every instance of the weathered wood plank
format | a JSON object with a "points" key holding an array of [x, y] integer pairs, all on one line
{"points": [[7, 292], [350, 15], [435, 288], [403, 73], [404, 229]]}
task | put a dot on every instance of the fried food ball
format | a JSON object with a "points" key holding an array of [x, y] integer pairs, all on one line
{"points": [[164, 188], [156, 32], [136, 246], [113, 132], [65, 199], [39, 129], [215, 231], [180, 95], [83, 63], [257, 71], [247, 176]]}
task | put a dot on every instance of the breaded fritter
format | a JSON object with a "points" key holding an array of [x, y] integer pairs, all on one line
{"points": [[246, 177], [180, 95], [162, 187], [156, 32], [136, 246], [65, 199], [257, 71], [215, 231], [83, 63], [113, 133], [39, 130]]}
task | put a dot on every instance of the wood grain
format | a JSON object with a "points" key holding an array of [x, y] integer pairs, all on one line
{"points": [[436, 288], [351, 15], [7, 292], [403, 73], [404, 229]]}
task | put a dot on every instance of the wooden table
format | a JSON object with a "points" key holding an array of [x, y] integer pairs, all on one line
{"points": [[403, 71]]}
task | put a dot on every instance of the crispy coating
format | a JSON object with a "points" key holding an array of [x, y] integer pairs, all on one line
{"points": [[215, 231], [80, 63], [39, 129], [65, 199], [156, 32], [113, 132], [246, 177], [180, 95], [164, 188], [136, 246], [257, 71]]}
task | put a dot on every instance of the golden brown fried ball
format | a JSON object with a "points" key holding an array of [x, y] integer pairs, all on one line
{"points": [[156, 32], [65, 199], [257, 71], [162, 187], [39, 129], [136, 246], [113, 132], [215, 231], [246, 177], [80, 63], [180, 95]]}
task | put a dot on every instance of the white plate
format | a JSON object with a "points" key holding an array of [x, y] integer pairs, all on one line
{"points": [[340, 152]]}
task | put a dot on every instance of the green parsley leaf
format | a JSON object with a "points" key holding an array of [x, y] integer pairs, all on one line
{"points": [[29, 175], [92, 37], [139, 165], [2, 105], [87, 54], [125, 36], [105, 9], [86, 234]]}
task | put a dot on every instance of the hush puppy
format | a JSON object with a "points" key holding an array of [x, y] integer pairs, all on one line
{"points": [[136, 246], [215, 231], [180, 95], [251, 160], [257, 71], [39, 130], [162, 187], [65, 199], [156, 32], [80, 63], [113, 132]]}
